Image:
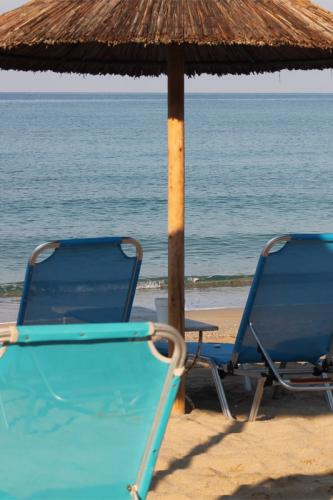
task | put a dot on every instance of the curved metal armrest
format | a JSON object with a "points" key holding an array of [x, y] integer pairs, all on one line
{"points": [[172, 335], [131, 241]]}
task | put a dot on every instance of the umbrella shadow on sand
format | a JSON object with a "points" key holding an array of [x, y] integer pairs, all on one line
{"points": [[314, 486], [200, 449], [276, 402]]}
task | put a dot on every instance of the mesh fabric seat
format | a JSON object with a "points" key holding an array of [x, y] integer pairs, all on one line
{"points": [[288, 318], [291, 301], [85, 280], [84, 409]]}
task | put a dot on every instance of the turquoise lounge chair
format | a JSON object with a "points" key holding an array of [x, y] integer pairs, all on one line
{"points": [[83, 409], [89, 280], [288, 318]]}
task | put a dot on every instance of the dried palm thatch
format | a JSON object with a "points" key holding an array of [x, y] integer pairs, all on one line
{"points": [[131, 36]]}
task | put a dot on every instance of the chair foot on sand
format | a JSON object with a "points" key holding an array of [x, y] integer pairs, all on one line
{"points": [[257, 399], [219, 388], [218, 385], [260, 391]]}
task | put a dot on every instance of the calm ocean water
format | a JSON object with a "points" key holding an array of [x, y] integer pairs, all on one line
{"points": [[75, 165]]}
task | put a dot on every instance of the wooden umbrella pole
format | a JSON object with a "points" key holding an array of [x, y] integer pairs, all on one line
{"points": [[176, 198]]}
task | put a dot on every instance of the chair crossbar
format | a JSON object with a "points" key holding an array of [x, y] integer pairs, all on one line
{"points": [[294, 384], [310, 381]]}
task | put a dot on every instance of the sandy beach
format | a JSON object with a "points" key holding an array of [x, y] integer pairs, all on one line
{"points": [[286, 454]]}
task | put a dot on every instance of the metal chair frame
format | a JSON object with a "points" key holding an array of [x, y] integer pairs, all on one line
{"points": [[268, 373]]}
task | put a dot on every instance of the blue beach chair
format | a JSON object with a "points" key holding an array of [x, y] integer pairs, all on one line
{"points": [[288, 318], [84, 408], [88, 280]]}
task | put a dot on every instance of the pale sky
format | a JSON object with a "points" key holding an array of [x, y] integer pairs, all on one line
{"points": [[284, 81]]}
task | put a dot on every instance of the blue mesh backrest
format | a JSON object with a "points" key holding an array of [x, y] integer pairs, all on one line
{"points": [[87, 282], [292, 311]]}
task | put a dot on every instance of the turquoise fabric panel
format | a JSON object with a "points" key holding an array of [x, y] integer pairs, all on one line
{"points": [[75, 418], [144, 487], [83, 332]]}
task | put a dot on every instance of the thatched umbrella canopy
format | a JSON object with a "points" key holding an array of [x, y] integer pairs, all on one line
{"points": [[173, 37], [131, 37]]}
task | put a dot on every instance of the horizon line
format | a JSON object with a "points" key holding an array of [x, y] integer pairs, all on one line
{"points": [[160, 92]]}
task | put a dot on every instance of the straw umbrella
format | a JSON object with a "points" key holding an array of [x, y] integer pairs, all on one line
{"points": [[172, 37]]}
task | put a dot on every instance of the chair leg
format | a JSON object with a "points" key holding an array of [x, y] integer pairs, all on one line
{"points": [[328, 394], [277, 388], [247, 384], [219, 389], [257, 399], [247, 380]]}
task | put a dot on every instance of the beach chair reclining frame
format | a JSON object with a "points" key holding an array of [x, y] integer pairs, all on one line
{"points": [[299, 384], [237, 360], [89, 420], [88, 280]]}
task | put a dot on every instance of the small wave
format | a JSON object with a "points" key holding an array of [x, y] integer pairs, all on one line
{"points": [[11, 289], [214, 281], [152, 283], [191, 282]]}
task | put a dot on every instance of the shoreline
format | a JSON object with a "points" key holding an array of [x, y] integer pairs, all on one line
{"points": [[203, 301], [227, 319], [155, 284]]}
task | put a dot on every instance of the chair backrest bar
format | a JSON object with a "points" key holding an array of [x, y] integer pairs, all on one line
{"points": [[291, 300], [84, 280]]}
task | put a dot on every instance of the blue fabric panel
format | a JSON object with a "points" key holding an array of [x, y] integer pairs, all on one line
{"points": [[218, 352], [91, 281], [75, 418], [291, 302], [248, 308], [25, 294], [313, 236]]}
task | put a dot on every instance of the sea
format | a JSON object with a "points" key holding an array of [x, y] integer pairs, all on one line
{"points": [[78, 165]]}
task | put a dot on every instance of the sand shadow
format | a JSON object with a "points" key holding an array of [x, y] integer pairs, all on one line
{"points": [[200, 449], [305, 487], [276, 402]]}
